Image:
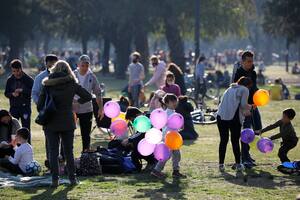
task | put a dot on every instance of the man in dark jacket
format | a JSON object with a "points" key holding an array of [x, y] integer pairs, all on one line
{"points": [[254, 121], [18, 91]]}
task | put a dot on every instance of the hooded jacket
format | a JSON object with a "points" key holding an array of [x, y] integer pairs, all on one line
{"points": [[63, 88]]}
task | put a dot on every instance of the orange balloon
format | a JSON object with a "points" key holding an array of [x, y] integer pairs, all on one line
{"points": [[173, 140], [261, 97]]}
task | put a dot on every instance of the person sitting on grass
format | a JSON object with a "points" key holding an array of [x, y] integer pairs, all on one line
{"points": [[8, 129], [23, 155], [171, 102], [156, 100], [287, 133], [276, 90]]}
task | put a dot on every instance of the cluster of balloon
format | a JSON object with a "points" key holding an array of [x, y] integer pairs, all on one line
{"points": [[119, 127], [261, 97], [247, 135], [173, 140], [175, 121], [112, 109], [162, 152], [152, 143], [265, 145], [142, 124], [159, 118]]}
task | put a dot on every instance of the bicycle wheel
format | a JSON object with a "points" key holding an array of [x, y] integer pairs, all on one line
{"points": [[199, 117]]}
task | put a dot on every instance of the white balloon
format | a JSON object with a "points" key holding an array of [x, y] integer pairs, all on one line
{"points": [[153, 136]]}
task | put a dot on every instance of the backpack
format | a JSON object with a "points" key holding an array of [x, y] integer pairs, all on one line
{"points": [[48, 109], [89, 164]]}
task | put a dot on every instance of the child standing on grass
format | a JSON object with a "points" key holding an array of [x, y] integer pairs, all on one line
{"points": [[170, 101], [22, 156], [287, 133]]}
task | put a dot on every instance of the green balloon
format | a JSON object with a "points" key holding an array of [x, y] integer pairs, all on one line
{"points": [[142, 124]]}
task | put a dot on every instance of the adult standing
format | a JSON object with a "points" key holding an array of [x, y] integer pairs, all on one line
{"points": [[136, 76], [254, 120], [232, 109], [199, 77], [62, 86], [179, 76], [50, 60], [159, 75], [18, 91], [88, 80]]}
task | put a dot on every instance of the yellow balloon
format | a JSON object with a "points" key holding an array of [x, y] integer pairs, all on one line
{"points": [[121, 116], [261, 97]]}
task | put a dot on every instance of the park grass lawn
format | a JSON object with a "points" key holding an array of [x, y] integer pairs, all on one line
{"points": [[199, 163]]}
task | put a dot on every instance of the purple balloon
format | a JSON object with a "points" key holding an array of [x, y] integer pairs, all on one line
{"points": [[145, 148], [118, 127], [175, 121], [159, 118], [247, 135], [162, 152], [112, 109], [265, 145]]}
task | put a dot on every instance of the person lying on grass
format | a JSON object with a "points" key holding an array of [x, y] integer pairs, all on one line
{"points": [[23, 154], [287, 133]]}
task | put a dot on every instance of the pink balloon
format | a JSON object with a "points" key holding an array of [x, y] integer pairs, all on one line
{"points": [[162, 152], [112, 109], [145, 148], [119, 127], [175, 121], [159, 118]]}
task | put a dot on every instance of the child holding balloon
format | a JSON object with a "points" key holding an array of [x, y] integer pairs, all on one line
{"points": [[170, 101], [287, 133]]}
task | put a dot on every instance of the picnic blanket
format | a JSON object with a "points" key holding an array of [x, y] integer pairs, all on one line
{"points": [[9, 180]]}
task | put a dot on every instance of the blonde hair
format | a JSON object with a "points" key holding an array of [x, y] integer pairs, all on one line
{"points": [[63, 66]]}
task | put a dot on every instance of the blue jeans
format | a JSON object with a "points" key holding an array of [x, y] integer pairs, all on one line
{"points": [[253, 121], [135, 94]]}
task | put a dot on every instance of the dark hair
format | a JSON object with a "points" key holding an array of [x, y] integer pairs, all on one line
{"points": [[23, 133], [290, 113], [245, 81], [200, 59], [182, 98], [51, 58], [175, 69], [277, 81], [4, 113], [124, 103], [132, 113], [169, 97], [247, 54], [16, 64]]}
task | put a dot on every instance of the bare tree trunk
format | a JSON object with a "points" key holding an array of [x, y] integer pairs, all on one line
{"points": [[84, 42], [141, 44], [287, 55], [15, 44], [105, 57]]}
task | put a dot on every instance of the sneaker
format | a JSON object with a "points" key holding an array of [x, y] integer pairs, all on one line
{"points": [[248, 165], [238, 167], [74, 182], [158, 174], [221, 167], [55, 183], [177, 174]]}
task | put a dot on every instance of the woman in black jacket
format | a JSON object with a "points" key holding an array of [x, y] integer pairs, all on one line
{"points": [[62, 86]]}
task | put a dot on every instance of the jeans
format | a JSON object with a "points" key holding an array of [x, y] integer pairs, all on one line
{"points": [[85, 122], [135, 94], [176, 157], [47, 145], [285, 147], [136, 158], [66, 138], [234, 127], [7, 152], [253, 121], [23, 113]]}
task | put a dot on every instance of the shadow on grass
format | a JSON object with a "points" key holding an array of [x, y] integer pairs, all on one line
{"points": [[260, 179]]}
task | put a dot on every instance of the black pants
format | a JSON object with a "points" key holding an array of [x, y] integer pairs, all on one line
{"points": [[285, 147], [47, 145], [23, 113], [85, 122], [136, 158], [7, 152], [12, 168], [66, 138], [234, 127]]}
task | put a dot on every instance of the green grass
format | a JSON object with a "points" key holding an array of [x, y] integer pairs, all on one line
{"points": [[199, 163]]}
